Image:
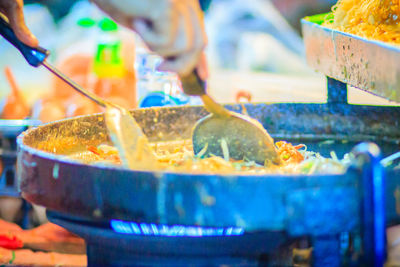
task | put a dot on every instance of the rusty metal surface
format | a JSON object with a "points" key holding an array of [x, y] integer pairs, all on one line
{"points": [[259, 202], [368, 65]]}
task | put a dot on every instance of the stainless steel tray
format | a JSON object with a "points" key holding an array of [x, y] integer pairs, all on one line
{"points": [[372, 66]]}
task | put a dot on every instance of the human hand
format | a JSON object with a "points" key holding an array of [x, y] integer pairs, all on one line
{"points": [[13, 10], [174, 29]]}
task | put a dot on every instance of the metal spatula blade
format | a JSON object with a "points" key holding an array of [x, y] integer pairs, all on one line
{"points": [[238, 137], [123, 129], [228, 134], [125, 133], [128, 137]]}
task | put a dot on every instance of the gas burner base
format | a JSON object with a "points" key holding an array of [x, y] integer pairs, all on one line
{"points": [[108, 248], [105, 256]]}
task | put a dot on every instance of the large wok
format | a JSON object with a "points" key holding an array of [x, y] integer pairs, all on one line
{"points": [[295, 203]]}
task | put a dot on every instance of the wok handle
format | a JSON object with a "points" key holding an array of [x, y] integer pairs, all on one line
{"points": [[33, 55]]}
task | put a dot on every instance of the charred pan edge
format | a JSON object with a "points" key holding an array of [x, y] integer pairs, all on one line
{"points": [[264, 202], [306, 121]]}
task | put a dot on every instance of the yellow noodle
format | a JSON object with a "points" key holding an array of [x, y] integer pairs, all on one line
{"points": [[178, 156], [372, 19]]}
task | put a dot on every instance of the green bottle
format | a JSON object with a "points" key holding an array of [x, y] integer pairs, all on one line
{"points": [[108, 61]]}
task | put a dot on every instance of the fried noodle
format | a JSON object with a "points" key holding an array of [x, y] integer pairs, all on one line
{"points": [[371, 19], [178, 156]]}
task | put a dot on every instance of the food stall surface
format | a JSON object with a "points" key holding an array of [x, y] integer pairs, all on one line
{"points": [[169, 218], [229, 233], [27, 257], [214, 219], [104, 204]]}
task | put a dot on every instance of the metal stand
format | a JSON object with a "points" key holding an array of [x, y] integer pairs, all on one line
{"points": [[8, 180], [8, 154], [337, 91], [326, 249], [9, 130]]}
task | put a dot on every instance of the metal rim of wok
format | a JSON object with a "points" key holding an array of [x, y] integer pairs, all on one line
{"points": [[77, 163], [67, 160], [255, 202]]}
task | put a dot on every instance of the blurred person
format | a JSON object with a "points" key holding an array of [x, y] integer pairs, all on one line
{"points": [[260, 35], [294, 10], [256, 37], [172, 29], [13, 10]]}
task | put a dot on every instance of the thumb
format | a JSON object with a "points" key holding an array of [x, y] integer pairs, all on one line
{"points": [[202, 67], [15, 15]]}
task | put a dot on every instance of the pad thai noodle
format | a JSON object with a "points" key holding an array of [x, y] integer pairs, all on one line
{"points": [[177, 156], [371, 19]]}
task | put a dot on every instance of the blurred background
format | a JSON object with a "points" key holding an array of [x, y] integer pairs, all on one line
{"points": [[247, 38], [255, 53]]}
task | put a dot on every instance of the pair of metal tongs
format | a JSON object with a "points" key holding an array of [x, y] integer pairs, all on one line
{"points": [[123, 129], [223, 133]]}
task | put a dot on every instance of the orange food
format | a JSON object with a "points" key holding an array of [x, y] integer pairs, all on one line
{"points": [[51, 110], [178, 156], [78, 105], [289, 153], [111, 155], [64, 101], [15, 106], [77, 67], [124, 88]]}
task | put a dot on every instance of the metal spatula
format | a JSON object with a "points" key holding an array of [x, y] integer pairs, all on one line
{"points": [[123, 129], [225, 133]]}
